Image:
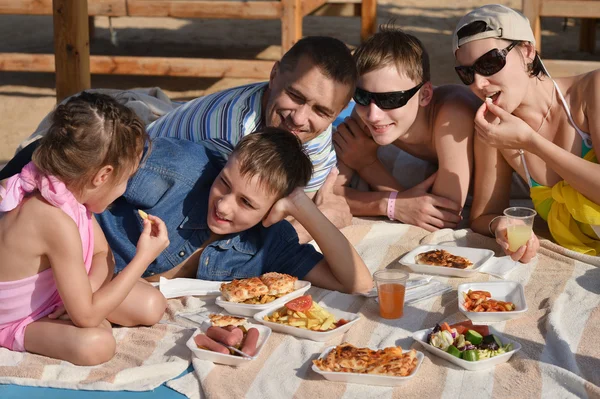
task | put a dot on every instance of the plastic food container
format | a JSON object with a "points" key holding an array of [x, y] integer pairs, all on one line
{"points": [[477, 256], [264, 333], [506, 291], [320, 336], [421, 338], [245, 309], [366, 379]]}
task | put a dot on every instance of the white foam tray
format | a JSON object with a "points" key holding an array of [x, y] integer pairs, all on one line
{"points": [[476, 255], [506, 291], [320, 336], [245, 309], [421, 338], [367, 379]]}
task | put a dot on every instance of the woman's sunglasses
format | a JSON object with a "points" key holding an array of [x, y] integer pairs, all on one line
{"points": [[389, 100], [488, 64]]}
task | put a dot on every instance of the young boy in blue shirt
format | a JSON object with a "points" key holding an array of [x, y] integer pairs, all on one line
{"points": [[228, 222]]}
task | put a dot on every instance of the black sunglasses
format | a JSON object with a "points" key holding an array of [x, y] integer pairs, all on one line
{"points": [[488, 64], [389, 100]]}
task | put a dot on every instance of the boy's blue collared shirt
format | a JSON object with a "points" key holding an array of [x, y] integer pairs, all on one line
{"points": [[174, 183]]}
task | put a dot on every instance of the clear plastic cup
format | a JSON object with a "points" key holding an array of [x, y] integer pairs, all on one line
{"points": [[520, 226], [391, 287]]}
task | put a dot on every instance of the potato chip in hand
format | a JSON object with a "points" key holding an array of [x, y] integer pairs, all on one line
{"points": [[144, 215]]}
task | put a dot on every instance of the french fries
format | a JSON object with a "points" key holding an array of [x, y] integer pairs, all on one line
{"points": [[260, 299], [316, 318], [144, 215]]}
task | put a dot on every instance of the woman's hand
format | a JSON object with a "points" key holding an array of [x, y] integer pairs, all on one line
{"points": [[500, 129], [355, 147], [525, 253], [153, 240]]}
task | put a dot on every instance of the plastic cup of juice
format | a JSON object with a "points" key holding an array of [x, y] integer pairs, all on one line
{"points": [[391, 286], [520, 226]]}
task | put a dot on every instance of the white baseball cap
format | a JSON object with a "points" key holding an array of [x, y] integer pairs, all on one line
{"points": [[502, 22]]}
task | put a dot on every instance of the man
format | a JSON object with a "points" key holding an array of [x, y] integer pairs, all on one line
{"points": [[307, 89]]}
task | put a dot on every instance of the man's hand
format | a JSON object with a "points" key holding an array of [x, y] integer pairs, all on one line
{"points": [[430, 212], [333, 206], [354, 146]]}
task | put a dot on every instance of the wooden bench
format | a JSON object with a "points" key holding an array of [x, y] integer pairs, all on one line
{"points": [[588, 10], [71, 37]]}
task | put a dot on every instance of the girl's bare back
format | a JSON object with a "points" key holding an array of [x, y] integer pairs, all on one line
{"points": [[23, 238]]}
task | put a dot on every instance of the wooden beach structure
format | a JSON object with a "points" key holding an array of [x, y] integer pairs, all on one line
{"points": [[73, 63], [587, 10]]}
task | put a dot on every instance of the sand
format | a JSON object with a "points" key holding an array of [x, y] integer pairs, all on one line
{"points": [[25, 98]]}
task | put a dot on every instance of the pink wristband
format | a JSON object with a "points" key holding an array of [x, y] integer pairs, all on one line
{"points": [[391, 208]]}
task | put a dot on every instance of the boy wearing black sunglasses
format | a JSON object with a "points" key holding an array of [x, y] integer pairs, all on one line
{"points": [[395, 103]]}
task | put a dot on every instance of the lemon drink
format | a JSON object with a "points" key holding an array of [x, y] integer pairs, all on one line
{"points": [[518, 235]]}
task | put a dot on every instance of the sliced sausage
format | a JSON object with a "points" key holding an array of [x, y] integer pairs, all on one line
{"points": [[231, 338], [251, 341], [205, 342]]}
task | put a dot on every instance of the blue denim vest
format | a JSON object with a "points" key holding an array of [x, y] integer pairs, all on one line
{"points": [[173, 183]]}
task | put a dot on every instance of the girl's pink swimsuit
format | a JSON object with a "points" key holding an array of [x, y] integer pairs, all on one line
{"points": [[24, 301]]}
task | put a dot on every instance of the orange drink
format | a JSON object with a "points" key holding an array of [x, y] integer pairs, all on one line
{"points": [[391, 300], [391, 287]]}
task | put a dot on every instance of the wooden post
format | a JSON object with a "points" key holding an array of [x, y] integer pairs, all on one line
{"points": [[92, 27], [71, 47], [532, 10], [587, 35], [368, 19], [291, 24]]}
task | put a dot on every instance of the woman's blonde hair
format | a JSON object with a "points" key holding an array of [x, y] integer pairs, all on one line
{"points": [[88, 132]]}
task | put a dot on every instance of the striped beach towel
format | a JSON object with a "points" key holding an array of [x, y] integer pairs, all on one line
{"points": [[560, 338], [560, 355]]}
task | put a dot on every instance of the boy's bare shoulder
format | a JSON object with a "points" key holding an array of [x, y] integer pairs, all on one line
{"points": [[456, 97], [455, 109]]}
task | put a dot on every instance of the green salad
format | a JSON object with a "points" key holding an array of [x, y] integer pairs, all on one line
{"points": [[470, 346]]}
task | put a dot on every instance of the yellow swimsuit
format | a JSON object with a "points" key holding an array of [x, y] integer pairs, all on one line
{"points": [[573, 220]]}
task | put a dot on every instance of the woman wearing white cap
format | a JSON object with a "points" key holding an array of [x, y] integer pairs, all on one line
{"points": [[539, 127]]}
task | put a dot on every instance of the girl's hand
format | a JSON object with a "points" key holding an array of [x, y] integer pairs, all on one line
{"points": [[153, 240], [500, 129], [354, 146], [525, 253], [59, 314]]}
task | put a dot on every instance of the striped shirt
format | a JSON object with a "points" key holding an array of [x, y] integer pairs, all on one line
{"points": [[223, 118]]}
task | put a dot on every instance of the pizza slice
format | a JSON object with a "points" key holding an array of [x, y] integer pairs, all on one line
{"points": [[279, 283], [241, 290], [395, 363], [350, 359], [441, 257]]}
